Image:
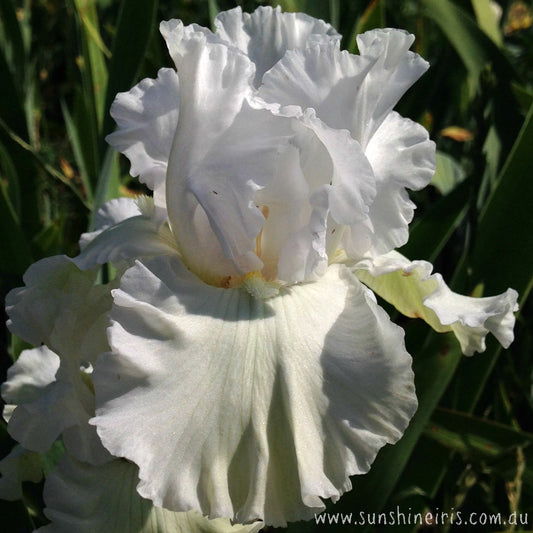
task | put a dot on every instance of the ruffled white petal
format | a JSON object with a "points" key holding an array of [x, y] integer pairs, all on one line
{"points": [[224, 151], [415, 292], [33, 371], [395, 70], [333, 178], [61, 308], [135, 237], [287, 201], [352, 180], [61, 408], [471, 319], [303, 256], [20, 465], [88, 499], [266, 34], [48, 402], [51, 285], [322, 78], [108, 215], [147, 117], [402, 157], [241, 407], [345, 90], [324, 81]]}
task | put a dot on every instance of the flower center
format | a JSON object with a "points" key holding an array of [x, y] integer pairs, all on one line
{"points": [[259, 287]]}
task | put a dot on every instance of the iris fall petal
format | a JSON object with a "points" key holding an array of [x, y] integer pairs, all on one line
{"points": [[49, 386], [245, 407], [413, 290], [87, 499], [20, 465]]}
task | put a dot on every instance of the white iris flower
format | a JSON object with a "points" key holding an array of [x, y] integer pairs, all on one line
{"points": [[247, 370]]}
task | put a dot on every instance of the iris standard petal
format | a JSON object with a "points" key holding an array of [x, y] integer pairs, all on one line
{"points": [[303, 256], [322, 78], [353, 185], [224, 151], [266, 34], [395, 70], [324, 81], [344, 91], [402, 157], [415, 292], [348, 91], [339, 182], [249, 408], [147, 117]]}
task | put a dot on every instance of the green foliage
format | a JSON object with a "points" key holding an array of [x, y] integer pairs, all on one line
{"points": [[470, 443]]}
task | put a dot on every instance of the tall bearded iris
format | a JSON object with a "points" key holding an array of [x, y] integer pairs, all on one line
{"points": [[247, 370]]}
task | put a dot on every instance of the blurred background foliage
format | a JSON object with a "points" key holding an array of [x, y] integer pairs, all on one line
{"points": [[470, 446]]}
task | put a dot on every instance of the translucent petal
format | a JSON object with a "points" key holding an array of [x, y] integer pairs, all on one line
{"points": [[303, 256], [266, 34], [334, 179], [62, 308], [29, 375], [224, 151], [51, 285], [249, 408], [322, 78], [348, 91], [353, 187], [395, 70], [20, 465], [109, 214], [415, 292], [88, 499], [402, 157], [147, 117], [336, 86], [138, 236], [287, 206], [47, 403]]}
